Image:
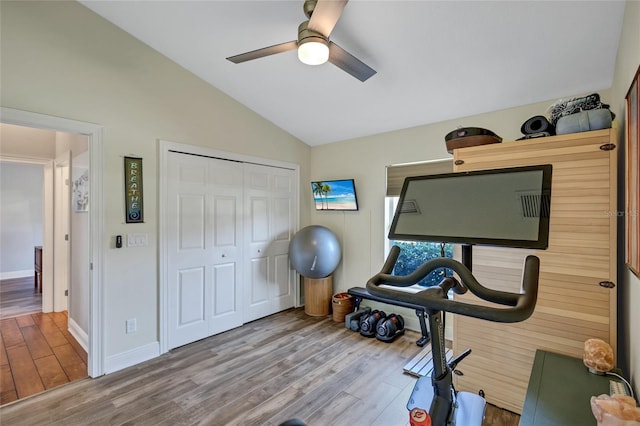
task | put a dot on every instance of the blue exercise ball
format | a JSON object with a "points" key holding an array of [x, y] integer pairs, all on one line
{"points": [[315, 252]]}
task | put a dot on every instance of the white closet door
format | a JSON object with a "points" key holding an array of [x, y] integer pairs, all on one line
{"points": [[204, 204], [269, 226], [226, 242]]}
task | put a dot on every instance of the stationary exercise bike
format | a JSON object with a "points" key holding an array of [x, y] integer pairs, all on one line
{"points": [[445, 405]]}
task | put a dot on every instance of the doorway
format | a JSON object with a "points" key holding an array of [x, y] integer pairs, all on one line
{"points": [[21, 236], [92, 331], [42, 236], [44, 344]]}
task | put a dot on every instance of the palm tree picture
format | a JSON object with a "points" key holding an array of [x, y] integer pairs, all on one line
{"points": [[334, 195]]}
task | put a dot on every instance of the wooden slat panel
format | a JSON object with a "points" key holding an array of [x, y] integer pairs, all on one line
{"points": [[572, 306]]}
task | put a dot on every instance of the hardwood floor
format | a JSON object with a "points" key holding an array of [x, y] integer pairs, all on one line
{"points": [[37, 353], [285, 366], [18, 296]]}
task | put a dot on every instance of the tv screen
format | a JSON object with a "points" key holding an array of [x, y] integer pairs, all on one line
{"points": [[335, 194], [501, 207]]}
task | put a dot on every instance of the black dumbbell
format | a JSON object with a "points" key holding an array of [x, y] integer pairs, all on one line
{"points": [[368, 323], [352, 320], [388, 328]]}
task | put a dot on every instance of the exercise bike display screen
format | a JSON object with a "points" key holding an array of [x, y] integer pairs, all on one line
{"points": [[500, 207]]}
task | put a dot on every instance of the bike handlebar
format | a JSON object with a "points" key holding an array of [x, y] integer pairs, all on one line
{"points": [[435, 298]]}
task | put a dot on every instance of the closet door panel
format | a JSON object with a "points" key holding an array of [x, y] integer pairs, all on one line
{"points": [[189, 254], [229, 225], [203, 203], [225, 309], [270, 225]]}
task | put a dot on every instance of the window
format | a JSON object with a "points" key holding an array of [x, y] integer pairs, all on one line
{"points": [[414, 253]]}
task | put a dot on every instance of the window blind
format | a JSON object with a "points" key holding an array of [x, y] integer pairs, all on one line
{"points": [[397, 173]]}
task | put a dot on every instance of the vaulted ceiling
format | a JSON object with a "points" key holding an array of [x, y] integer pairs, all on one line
{"points": [[435, 60]]}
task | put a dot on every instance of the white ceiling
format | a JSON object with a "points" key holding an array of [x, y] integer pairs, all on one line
{"points": [[435, 60]]}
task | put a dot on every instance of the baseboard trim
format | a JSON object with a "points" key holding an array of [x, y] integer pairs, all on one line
{"points": [[135, 356], [16, 274], [79, 334]]}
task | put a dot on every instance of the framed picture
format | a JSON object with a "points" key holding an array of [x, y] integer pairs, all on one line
{"points": [[133, 190], [335, 194], [632, 200], [81, 192]]}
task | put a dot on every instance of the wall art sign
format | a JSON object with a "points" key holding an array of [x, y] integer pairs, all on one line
{"points": [[133, 190]]}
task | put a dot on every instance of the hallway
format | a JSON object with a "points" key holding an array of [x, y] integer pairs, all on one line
{"points": [[19, 296]]}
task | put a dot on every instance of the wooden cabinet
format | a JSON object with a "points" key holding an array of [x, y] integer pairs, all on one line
{"points": [[577, 293]]}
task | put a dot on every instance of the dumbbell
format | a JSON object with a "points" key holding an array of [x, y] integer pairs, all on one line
{"points": [[388, 328], [352, 320], [369, 322]]}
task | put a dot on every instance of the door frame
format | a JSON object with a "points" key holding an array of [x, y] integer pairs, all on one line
{"points": [[62, 225], [163, 164], [95, 352]]}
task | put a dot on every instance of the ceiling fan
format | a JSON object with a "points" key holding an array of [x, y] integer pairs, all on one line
{"points": [[314, 47]]}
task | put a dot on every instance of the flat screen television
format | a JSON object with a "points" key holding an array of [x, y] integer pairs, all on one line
{"points": [[501, 207], [335, 194]]}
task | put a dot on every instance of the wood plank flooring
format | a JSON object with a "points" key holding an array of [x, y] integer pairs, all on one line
{"points": [[18, 296], [285, 366], [37, 353]]}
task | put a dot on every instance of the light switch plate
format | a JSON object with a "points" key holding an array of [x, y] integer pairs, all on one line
{"points": [[137, 240], [131, 325]]}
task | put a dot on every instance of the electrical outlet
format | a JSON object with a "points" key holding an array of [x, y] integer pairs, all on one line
{"points": [[131, 325]]}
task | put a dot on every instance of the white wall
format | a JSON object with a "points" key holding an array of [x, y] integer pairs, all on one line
{"points": [[60, 59], [20, 143], [21, 217], [627, 63]]}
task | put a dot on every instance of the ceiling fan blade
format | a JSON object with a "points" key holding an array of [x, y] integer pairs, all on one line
{"points": [[349, 63], [325, 16], [265, 51]]}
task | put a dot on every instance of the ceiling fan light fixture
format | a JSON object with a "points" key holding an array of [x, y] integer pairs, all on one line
{"points": [[313, 51]]}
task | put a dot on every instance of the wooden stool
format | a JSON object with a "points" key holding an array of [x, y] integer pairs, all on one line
{"points": [[317, 296]]}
